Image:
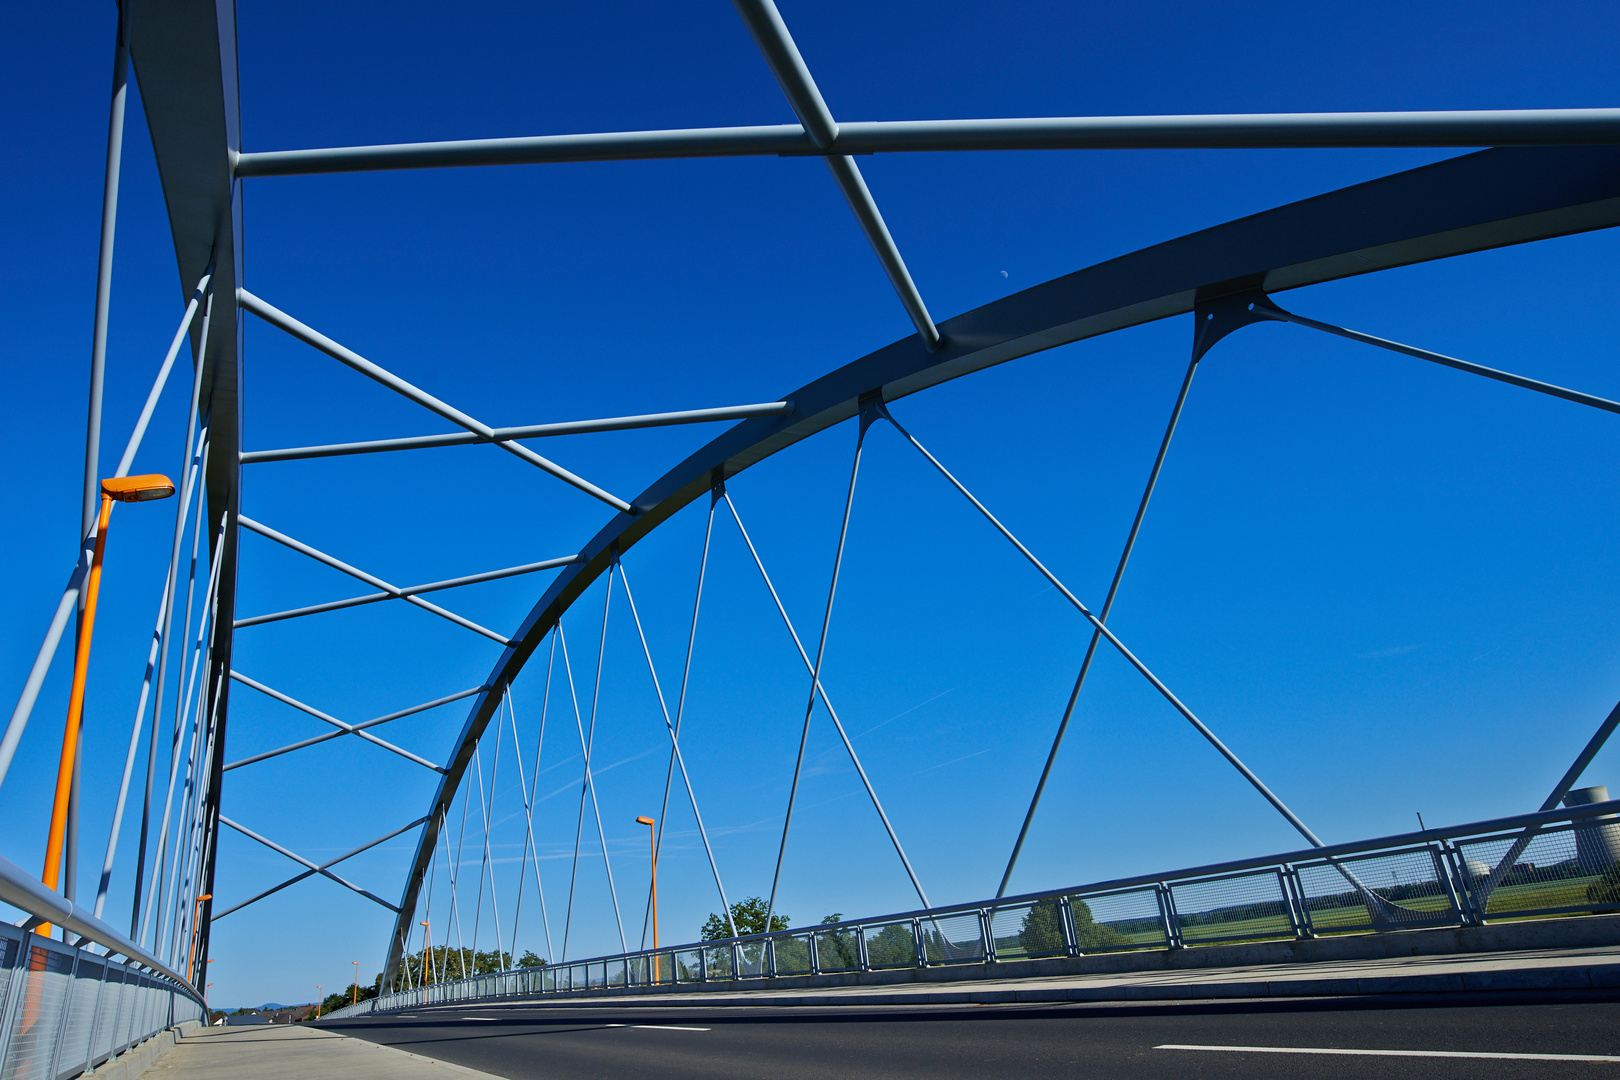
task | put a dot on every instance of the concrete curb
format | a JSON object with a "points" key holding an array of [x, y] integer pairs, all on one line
{"points": [[133, 1062]]}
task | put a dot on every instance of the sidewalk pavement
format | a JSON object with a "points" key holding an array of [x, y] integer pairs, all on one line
{"points": [[277, 1052]]}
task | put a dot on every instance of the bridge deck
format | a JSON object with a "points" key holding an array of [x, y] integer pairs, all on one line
{"points": [[294, 1052]]}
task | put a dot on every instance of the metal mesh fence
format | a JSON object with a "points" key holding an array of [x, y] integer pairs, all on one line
{"points": [[753, 960], [890, 945], [1233, 907], [792, 954], [953, 939], [64, 1010], [1566, 868], [717, 962], [1122, 920], [688, 965], [1027, 931], [837, 950], [1387, 891]]}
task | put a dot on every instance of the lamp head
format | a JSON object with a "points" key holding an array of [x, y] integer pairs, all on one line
{"points": [[205, 896], [138, 488], [644, 821]]}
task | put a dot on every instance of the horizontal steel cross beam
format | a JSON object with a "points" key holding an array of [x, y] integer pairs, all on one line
{"points": [[532, 431], [1238, 131]]}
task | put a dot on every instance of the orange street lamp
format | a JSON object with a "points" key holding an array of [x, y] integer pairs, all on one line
{"points": [[317, 1002], [120, 489], [195, 934], [356, 964], [652, 837], [427, 939]]}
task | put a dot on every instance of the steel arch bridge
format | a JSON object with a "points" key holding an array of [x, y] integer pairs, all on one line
{"points": [[1549, 173]]}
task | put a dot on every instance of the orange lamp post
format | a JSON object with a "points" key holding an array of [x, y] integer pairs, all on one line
{"points": [[119, 489], [195, 934], [317, 1003], [356, 964], [652, 836]]}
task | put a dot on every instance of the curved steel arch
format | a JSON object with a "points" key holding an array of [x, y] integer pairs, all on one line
{"points": [[1494, 198]]}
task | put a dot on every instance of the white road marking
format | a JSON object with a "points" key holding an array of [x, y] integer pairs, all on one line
{"points": [[1393, 1053], [480, 1017], [658, 1027]]}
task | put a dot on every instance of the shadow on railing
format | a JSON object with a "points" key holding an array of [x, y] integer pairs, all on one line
{"points": [[1437, 877]]}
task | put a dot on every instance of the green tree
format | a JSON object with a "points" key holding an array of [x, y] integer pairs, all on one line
{"points": [[749, 915], [1606, 889], [1041, 933], [529, 960]]}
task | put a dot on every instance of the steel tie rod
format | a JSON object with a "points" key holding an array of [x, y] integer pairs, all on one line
{"points": [[282, 321], [1130, 657], [314, 867], [1267, 307], [370, 579], [344, 729], [355, 728], [409, 590], [213, 918]]}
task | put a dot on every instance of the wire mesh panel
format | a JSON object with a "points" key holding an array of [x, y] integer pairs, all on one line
{"points": [[793, 954], [1567, 868], [74, 1055], [953, 939], [753, 960], [837, 950], [127, 1000], [1121, 920], [112, 994], [37, 1015], [662, 971], [616, 973], [1024, 931], [717, 962], [1234, 907], [890, 945], [688, 965], [1388, 891]]}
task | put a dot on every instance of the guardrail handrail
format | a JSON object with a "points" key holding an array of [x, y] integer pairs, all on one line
{"points": [[21, 891], [1287, 864]]}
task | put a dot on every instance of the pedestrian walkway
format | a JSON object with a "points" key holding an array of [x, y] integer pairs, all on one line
{"points": [[294, 1052]]}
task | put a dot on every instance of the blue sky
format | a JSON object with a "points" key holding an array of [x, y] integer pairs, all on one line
{"points": [[1388, 586]]}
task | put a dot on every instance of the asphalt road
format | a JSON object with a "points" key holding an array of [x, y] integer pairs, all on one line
{"points": [[1102, 1041]]}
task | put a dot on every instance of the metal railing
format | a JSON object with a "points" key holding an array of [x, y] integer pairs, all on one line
{"points": [[1564, 861], [66, 1008]]}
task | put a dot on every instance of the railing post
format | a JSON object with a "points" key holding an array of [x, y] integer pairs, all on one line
{"points": [[770, 956], [1468, 907], [987, 935], [918, 946], [1294, 896], [1071, 936], [860, 948], [1167, 914], [815, 952]]}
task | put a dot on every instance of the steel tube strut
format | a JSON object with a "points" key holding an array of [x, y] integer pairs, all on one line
{"points": [[343, 729], [314, 868], [355, 728], [1251, 131], [1102, 617], [282, 321], [311, 873], [1130, 657], [370, 579], [526, 785], [409, 590], [770, 33], [532, 431]]}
